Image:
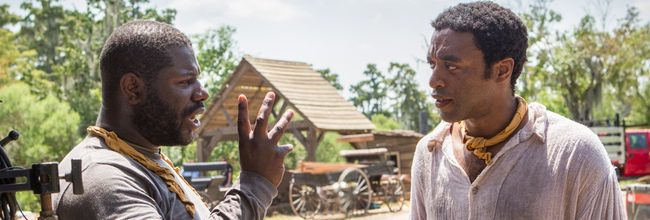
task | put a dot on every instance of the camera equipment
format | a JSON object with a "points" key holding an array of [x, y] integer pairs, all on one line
{"points": [[42, 179]]}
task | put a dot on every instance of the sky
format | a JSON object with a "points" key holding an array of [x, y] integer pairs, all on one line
{"points": [[346, 35]]}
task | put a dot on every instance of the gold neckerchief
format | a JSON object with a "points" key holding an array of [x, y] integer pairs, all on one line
{"points": [[479, 144], [115, 143]]}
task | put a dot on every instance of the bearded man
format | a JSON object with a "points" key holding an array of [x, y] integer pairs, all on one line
{"points": [[151, 97]]}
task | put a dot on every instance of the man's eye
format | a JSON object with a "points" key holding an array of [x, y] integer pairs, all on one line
{"points": [[432, 65], [451, 66], [186, 82]]}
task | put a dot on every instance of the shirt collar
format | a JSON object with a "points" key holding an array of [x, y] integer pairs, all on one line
{"points": [[536, 125]]}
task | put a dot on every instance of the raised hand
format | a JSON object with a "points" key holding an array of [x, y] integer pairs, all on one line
{"points": [[258, 148]]}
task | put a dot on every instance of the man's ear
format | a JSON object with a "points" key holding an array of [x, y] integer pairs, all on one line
{"points": [[503, 69], [132, 87]]}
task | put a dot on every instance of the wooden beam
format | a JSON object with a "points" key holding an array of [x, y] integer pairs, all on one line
{"points": [[204, 153], [321, 134], [282, 109], [300, 125], [200, 144], [298, 135], [228, 117], [229, 86], [356, 138], [257, 92]]}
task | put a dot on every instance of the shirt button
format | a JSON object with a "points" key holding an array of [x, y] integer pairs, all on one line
{"points": [[475, 190]]}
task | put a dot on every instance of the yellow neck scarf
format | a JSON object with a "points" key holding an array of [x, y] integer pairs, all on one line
{"points": [[479, 144], [115, 143]]}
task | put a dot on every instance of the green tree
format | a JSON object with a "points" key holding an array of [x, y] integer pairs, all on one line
{"points": [[589, 64], [383, 123], [328, 150], [369, 95], [393, 95], [8, 54], [331, 77], [627, 91], [407, 99], [586, 73], [539, 20], [8, 50], [47, 126], [217, 57], [67, 44]]}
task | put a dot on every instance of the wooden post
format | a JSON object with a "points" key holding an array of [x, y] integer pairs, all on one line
{"points": [[312, 144], [199, 148], [314, 137], [204, 147]]}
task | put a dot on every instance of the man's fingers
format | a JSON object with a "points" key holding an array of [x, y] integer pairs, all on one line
{"points": [[276, 133], [243, 123], [284, 150], [262, 120]]}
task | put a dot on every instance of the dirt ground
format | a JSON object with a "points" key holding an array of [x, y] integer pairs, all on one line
{"points": [[376, 214]]}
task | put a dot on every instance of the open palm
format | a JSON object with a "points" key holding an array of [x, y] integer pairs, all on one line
{"points": [[258, 148]]}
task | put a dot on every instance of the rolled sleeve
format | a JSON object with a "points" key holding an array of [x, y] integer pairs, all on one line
{"points": [[248, 199]]}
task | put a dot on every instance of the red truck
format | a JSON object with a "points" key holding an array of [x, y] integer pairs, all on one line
{"points": [[628, 149]]}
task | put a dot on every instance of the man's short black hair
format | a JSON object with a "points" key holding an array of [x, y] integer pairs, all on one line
{"points": [[498, 32], [139, 47]]}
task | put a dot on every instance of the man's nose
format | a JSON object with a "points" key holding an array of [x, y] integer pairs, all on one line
{"points": [[435, 81], [200, 94]]}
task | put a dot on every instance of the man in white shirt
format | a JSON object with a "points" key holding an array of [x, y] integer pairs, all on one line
{"points": [[494, 156]]}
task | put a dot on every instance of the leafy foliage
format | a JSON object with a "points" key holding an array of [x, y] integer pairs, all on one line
{"points": [[67, 44], [332, 78], [45, 125], [383, 123], [216, 56], [597, 73], [394, 95], [370, 95]]}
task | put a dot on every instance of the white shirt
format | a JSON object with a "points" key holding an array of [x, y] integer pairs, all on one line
{"points": [[552, 168]]}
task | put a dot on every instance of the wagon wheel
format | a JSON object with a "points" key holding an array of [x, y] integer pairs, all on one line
{"points": [[354, 192], [394, 194], [304, 200]]}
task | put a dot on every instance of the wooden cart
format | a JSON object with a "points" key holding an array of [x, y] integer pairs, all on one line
{"points": [[367, 180], [211, 180]]}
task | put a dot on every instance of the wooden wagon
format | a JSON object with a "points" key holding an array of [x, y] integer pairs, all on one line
{"points": [[211, 180], [367, 180]]}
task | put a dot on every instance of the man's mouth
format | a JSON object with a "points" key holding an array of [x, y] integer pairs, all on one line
{"points": [[441, 101], [194, 117]]}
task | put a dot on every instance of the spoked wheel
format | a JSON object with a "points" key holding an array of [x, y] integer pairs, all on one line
{"points": [[394, 194], [304, 200], [354, 192]]}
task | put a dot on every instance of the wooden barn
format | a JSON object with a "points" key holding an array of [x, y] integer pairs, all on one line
{"points": [[399, 143], [318, 106]]}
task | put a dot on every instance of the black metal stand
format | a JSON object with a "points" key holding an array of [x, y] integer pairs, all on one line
{"points": [[42, 179]]}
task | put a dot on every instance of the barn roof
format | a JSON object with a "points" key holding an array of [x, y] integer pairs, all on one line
{"points": [[297, 86]]}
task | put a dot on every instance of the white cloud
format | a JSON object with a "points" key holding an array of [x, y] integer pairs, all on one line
{"points": [[267, 10]]}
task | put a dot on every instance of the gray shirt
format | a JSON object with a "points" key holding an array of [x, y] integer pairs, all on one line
{"points": [[118, 187], [552, 168]]}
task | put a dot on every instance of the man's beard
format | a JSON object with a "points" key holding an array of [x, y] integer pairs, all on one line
{"points": [[159, 123]]}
